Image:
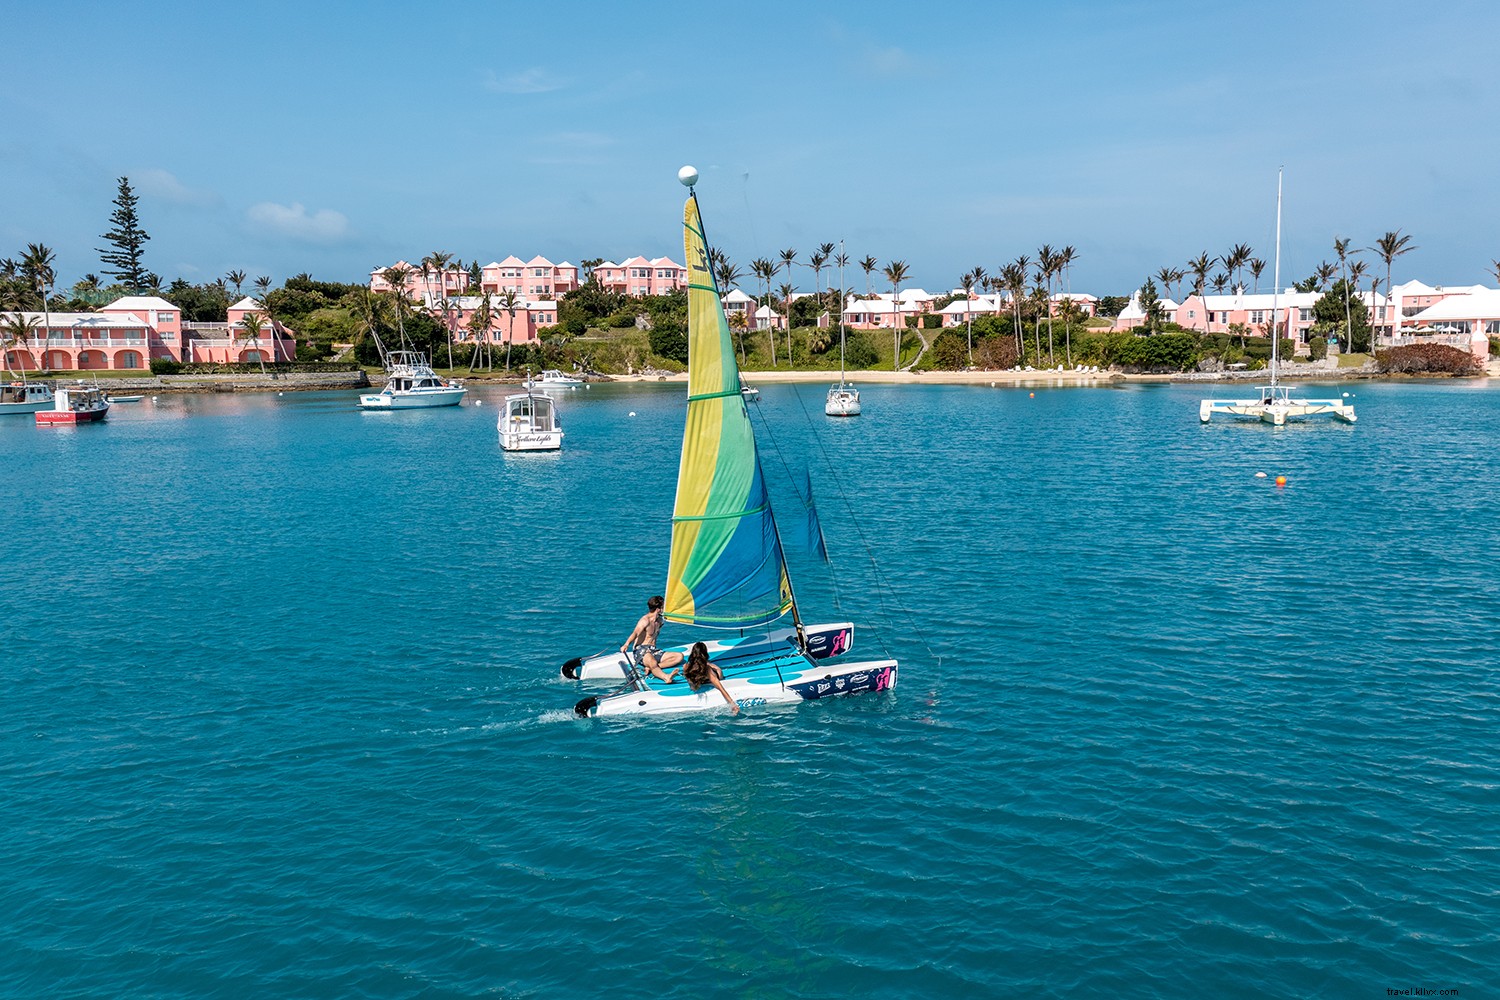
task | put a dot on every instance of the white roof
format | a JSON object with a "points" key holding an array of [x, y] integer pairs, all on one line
{"points": [[962, 307], [1483, 304], [1133, 308], [735, 295], [247, 304], [91, 320], [134, 302]]}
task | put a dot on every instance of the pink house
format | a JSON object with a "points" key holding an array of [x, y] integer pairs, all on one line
{"points": [[1466, 321], [126, 334], [520, 328], [1294, 310], [960, 311], [450, 282], [880, 312], [535, 278], [639, 276]]}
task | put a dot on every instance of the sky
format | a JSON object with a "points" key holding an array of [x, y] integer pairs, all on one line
{"points": [[333, 139]]}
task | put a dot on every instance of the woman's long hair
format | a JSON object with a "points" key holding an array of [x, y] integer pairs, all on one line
{"points": [[696, 668]]}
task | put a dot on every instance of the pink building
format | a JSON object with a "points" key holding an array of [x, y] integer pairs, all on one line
{"points": [[1294, 310], [536, 278], [961, 311], [450, 282], [880, 312], [521, 328], [129, 332], [639, 276], [1466, 321]]}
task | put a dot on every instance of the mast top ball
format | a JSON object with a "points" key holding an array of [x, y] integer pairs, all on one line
{"points": [[688, 176]]}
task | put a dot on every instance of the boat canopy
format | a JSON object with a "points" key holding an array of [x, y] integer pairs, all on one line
{"points": [[726, 568]]}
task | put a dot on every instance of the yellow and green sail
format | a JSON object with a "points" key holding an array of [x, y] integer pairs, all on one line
{"points": [[727, 567]]}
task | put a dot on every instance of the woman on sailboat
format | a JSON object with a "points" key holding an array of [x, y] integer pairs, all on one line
{"points": [[647, 655], [700, 671]]}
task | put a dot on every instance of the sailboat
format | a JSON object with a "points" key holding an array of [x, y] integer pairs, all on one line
{"points": [[1274, 403], [843, 399], [726, 568]]}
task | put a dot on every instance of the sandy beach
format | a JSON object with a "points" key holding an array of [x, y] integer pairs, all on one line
{"points": [[920, 378]]}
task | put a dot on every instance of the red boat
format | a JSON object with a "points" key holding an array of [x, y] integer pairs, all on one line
{"points": [[78, 404]]}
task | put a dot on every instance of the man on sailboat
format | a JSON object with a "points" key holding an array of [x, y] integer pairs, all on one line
{"points": [[644, 637]]}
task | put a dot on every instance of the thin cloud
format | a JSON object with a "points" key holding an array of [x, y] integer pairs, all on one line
{"points": [[889, 61], [527, 81], [293, 222], [157, 183]]}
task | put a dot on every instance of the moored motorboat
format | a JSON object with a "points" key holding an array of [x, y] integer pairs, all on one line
{"points": [[411, 384], [25, 397], [125, 399], [843, 401], [528, 422], [554, 379], [76, 404]]}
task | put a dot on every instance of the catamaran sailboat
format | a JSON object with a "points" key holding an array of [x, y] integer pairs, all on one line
{"points": [[1273, 403], [727, 569], [843, 399]]}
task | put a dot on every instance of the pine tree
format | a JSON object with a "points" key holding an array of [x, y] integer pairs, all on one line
{"points": [[129, 241]]}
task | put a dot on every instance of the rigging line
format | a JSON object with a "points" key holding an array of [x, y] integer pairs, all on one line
{"points": [[913, 627]]}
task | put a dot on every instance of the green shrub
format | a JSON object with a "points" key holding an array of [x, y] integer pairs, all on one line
{"points": [[1318, 347], [165, 366]]}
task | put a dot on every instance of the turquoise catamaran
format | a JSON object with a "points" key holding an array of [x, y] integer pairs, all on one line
{"points": [[727, 569]]}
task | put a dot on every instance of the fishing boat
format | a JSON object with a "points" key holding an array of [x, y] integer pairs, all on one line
{"points": [[528, 422], [75, 404], [554, 379], [1273, 404], [843, 398], [25, 397], [726, 568], [411, 384]]}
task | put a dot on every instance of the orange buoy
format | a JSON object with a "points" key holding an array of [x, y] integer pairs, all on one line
{"points": [[1281, 480], [1032, 395]]}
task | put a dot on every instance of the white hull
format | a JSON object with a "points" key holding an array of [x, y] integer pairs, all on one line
{"points": [[1276, 413], [842, 402], [30, 406], [25, 397], [413, 399], [531, 440], [831, 639], [760, 684]]}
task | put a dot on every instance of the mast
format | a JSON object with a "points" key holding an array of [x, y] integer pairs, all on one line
{"points": [[841, 314], [1276, 283]]}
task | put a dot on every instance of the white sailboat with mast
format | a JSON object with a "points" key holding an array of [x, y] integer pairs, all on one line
{"points": [[1274, 403], [843, 399], [727, 569]]}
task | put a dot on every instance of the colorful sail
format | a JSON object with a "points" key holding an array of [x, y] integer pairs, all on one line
{"points": [[727, 567]]}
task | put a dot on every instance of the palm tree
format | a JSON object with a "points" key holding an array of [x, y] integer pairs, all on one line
{"points": [[819, 261], [509, 301], [1389, 247], [1256, 266], [896, 273], [439, 261], [38, 261], [1046, 260], [253, 326], [1014, 277], [18, 329], [967, 282], [1065, 259], [1199, 267], [788, 258], [869, 264], [1495, 269], [1042, 300], [1166, 276], [236, 278], [765, 270], [1235, 260], [479, 327], [396, 276], [1324, 274]]}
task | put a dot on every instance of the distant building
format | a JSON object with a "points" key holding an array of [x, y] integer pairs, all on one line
{"points": [[126, 334]]}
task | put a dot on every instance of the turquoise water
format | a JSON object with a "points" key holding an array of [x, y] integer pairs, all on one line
{"points": [[284, 719]]}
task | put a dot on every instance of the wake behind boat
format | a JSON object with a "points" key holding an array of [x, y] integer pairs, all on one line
{"points": [[726, 568], [411, 384]]}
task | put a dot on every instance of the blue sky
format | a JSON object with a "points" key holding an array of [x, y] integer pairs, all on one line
{"points": [[282, 138]]}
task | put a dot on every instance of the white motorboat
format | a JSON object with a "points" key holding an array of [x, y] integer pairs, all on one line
{"points": [[1273, 404], [528, 422], [554, 379], [843, 398], [75, 404], [411, 384], [25, 397], [749, 392]]}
